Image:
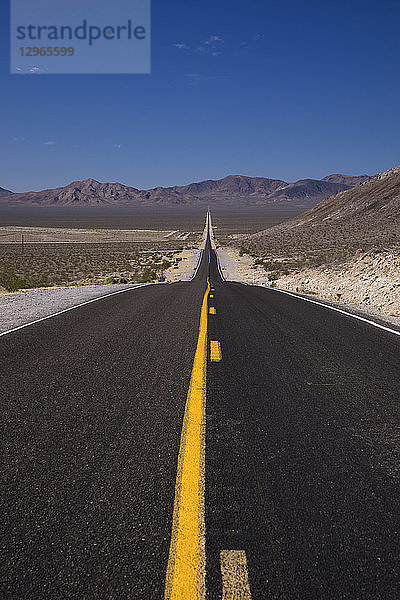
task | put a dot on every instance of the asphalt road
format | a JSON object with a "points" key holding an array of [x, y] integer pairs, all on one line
{"points": [[301, 446]]}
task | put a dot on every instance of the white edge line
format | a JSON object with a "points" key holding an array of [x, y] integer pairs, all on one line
{"points": [[219, 266], [60, 312], [339, 310]]}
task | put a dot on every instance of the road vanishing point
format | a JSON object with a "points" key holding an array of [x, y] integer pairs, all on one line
{"points": [[198, 441]]}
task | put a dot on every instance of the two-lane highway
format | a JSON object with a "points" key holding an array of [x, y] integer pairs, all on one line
{"points": [[200, 440]]}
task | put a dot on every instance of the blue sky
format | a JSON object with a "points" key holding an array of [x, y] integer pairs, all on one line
{"points": [[286, 89]]}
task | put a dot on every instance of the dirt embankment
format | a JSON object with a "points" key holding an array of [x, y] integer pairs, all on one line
{"points": [[369, 280]]}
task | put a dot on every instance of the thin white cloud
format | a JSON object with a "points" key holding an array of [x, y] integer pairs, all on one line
{"points": [[36, 70], [214, 38], [197, 79], [181, 46], [117, 146], [49, 143], [249, 45], [19, 139], [212, 46]]}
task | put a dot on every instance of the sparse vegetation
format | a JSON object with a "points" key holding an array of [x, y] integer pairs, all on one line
{"points": [[80, 264], [13, 282]]}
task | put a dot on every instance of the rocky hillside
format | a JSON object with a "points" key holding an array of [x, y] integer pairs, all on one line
{"points": [[232, 191], [368, 280], [233, 185], [4, 192], [350, 180], [363, 217], [306, 192]]}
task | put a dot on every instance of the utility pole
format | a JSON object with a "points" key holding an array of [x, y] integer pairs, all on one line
{"points": [[22, 243]]}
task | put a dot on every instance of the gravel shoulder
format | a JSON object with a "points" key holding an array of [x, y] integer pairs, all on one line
{"points": [[19, 308], [188, 260]]}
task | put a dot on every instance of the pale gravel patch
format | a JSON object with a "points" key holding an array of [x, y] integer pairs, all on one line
{"points": [[186, 267], [22, 307], [234, 267]]}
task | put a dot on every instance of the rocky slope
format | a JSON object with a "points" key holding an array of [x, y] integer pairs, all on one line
{"points": [[4, 192], [369, 280], [346, 249], [350, 180], [365, 216], [232, 191]]}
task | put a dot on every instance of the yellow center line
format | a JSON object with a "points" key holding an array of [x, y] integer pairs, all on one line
{"points": [[212, 310], [215, 350], [185, 578]]}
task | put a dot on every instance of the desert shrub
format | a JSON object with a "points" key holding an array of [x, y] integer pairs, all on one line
{"points": [[147, 276], [273, 276], [13, 282]]}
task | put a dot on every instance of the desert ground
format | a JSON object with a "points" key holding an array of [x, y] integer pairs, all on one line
{"points": [[50, 247]]}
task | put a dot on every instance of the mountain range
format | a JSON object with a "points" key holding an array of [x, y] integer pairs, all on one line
{"points": [[233, 191]]}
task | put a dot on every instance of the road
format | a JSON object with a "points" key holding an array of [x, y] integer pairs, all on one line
{"points": [[252, 455]]}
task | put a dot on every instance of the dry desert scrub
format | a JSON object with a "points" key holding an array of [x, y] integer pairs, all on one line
{"points": [[79, 264]]}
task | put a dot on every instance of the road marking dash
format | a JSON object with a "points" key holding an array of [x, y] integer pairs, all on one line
{"points": [[235, 578], [211, 295], [185, 579], [215, 350], [212, 310]]}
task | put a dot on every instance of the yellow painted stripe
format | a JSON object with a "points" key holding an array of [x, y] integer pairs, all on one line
{"points": [[211, 295], [212, 310], [235, 578], [215, 350], [186, 565]]}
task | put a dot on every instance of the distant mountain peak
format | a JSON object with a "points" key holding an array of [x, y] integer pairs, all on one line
{"points": [[350, 180]]}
